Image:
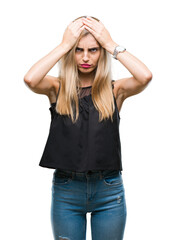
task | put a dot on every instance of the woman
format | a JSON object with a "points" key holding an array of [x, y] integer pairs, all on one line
{"points": [[83, 145]]}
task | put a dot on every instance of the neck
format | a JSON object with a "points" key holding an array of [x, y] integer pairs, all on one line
{"points": [[86, 79]]}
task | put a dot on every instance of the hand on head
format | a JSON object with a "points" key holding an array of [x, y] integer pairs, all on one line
{"points": [[94, 26], [72, 32]]}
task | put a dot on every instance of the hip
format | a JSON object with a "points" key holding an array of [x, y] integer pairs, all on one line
{"points": [[90, 190]]}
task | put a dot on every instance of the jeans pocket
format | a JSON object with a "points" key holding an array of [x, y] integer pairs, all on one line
{"points": [[61, 179], [113, 180]]}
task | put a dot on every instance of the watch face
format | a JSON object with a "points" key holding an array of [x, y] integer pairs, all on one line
{"points": [[117, 50], [120, 48]]}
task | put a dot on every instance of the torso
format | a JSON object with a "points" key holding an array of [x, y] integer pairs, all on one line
{"points": [[53, 94]]}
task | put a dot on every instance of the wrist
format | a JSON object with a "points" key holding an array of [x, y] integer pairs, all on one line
{"points": [[65, 47], [110, 46]]}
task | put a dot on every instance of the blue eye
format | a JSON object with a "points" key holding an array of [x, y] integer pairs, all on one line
{"points": [[78, 49], [93, 49]]}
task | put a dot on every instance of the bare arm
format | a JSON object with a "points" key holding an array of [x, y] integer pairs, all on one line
{"points": [[36, 78], [141, 74], [38, 71]]}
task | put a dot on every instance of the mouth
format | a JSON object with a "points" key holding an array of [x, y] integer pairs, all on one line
{"points": [[85, 65]]}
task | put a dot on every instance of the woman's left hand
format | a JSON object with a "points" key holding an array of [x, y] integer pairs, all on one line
{"points": [[98, 30]]}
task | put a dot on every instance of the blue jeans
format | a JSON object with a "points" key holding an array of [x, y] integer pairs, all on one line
{"points": [[74, 194]]}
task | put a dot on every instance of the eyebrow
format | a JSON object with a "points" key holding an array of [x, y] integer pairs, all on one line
{"points": [[89, 48]]}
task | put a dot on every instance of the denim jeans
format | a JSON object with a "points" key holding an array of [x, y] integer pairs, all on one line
{"points": [[74, 194]]}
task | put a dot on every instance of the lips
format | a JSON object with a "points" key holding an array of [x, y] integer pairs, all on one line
{"points": [[85, 65]]}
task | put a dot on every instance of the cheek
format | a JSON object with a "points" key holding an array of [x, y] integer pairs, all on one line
{"points": [[97, 58], [76, 59]]}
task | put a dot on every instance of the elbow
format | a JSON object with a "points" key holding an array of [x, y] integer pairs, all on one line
{"points": [[28, 81], [148, 77]]}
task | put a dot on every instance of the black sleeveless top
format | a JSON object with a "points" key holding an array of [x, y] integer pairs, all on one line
{"points": [[84, 145]]}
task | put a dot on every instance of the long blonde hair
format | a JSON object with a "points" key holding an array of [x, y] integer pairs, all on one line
{"points": [[102, 95]]}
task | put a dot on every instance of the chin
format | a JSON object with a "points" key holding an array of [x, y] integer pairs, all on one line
{"points": [[86, 69]]}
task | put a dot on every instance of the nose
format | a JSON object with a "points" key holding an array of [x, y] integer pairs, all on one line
{"points": [[85, 57]]}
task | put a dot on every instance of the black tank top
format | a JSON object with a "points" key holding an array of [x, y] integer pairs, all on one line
{"points": [[84, 145]]}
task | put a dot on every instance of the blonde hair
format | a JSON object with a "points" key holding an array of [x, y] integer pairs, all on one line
{"points": [[102, 95]]}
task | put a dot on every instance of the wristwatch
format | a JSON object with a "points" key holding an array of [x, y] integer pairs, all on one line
{"points": [[117, 50]]}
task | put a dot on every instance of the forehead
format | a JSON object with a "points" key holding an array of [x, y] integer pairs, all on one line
{"points": [[88, 41]]}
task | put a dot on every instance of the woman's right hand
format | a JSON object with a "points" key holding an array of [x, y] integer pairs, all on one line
{"points": [[72, 33]]}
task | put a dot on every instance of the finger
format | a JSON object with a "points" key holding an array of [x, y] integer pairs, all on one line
{"points": [[87, 23], [80, 23], [80, 20], [82, 28], [97, 23], [89, 29], [96, 27], [79, 29], [92, 19], [93, 25], [71, 25], [89, 18], [78, 26]]}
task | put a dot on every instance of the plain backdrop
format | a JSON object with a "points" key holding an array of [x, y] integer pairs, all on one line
{"points": [[29, 31]]}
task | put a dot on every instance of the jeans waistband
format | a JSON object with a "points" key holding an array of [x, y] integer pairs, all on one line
{"points": [[89, 174]]}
